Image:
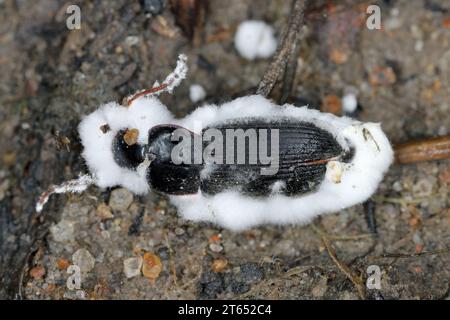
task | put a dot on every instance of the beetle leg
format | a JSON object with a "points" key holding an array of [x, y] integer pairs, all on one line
{"points": [[74, 186]]}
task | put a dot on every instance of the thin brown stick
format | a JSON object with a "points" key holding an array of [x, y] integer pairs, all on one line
{"points": [[284, 51], [127, 102], [289, 73], [334, 237], [355, 279], [424, 150], [320, 161], [171, 81]]}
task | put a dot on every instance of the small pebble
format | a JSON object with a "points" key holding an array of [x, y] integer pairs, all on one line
{"points": [[397, 186], [80, 294], [37, 272], [418, 46], [105, 234], [104, 212], [132, 41], [214, 247], [63, 231], [154, 7], [348, 295], [320, 289], [219, 265], [215, 238], [62, 264], [120, 199], [83, 259], [130, 137], [132, 267], [339, 55], [382, 76], [179, 231], [152, 266], [423, 188]]}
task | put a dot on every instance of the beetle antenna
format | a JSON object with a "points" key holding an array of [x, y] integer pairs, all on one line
{"points": [[73, 186], [172, 80]]}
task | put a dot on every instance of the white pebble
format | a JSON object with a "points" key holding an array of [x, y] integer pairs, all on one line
{"points": [[83, 259], [132, 267], [214, 247], [255, 39], [196, 93], [418, 46], [63, 231], [349, 103], [132, 41], [120, 199]]}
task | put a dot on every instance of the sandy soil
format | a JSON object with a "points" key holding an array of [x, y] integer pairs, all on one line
{"points": [[51, 77]]}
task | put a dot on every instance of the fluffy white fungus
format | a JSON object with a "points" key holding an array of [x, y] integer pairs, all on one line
{"points": [[97, 141], [143, 114], [344, 185], [255, 39], [196, 93], [349, 103]]}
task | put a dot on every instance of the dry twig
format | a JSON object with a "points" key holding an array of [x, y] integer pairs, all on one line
{"points": [[425, 150], [355, 237], [355, 279], [285, 49]]}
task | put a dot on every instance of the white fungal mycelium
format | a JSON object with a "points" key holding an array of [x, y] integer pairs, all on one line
{"points": [[196, 93], [345, 183], [349, 103], [255, 39]]}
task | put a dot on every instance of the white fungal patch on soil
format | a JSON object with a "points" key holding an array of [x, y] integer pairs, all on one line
{"points": [[255, 39], [196, 93]]}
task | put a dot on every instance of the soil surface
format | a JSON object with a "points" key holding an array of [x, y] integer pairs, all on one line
{"points": [[51, 76]]}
